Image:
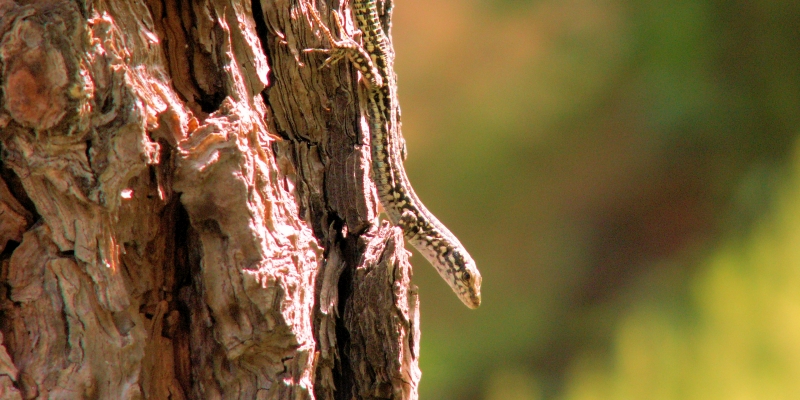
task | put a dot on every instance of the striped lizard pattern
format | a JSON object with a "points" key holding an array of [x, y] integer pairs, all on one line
{"points": [[374, 59]]}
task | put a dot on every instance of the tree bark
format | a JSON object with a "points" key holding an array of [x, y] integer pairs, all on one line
{"points": [[186, 209]]}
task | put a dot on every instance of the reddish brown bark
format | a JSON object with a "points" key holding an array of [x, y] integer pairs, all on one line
{"points": [[186, 209]]}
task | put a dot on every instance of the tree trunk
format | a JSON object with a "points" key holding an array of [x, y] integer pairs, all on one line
{"points": [[186, 209]]}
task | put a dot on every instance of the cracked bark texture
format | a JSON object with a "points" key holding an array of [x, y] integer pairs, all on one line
{"points": [[186, 209]]}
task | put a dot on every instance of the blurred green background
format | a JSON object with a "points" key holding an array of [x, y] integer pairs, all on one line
{"points": [[627, 176]]}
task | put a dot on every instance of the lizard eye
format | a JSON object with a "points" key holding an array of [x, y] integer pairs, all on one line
{"points": [[466, 276]]}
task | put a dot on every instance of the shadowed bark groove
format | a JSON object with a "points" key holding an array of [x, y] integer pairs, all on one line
{"points": [[186, 209]]}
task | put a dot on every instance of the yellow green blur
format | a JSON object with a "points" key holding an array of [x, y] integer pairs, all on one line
{"points": [[626, 175]]}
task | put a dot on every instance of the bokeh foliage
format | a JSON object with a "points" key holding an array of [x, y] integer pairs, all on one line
{"points": [[627, 176]]}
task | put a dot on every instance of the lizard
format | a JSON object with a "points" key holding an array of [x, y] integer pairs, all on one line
{"points": [[374, 59]]}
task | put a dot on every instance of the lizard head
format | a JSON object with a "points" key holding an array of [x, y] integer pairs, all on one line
{"points": [[464, 278]]}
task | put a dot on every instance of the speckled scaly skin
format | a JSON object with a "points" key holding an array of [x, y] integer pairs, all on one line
{"points": [[374, 59]]}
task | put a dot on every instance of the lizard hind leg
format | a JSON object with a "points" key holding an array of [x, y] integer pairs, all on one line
{"points": [[346, 48]]}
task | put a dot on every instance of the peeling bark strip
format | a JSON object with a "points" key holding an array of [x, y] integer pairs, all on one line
{"points": [[186, 209], [382, 318]]}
